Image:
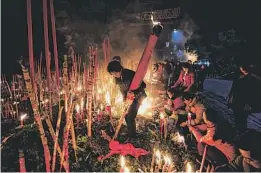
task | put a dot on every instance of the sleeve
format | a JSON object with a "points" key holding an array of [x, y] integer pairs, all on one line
{"points": [[179, 81], [196, 133], [192, 79], [199, 115], [234, 166], [211, 130], [178, 103]]}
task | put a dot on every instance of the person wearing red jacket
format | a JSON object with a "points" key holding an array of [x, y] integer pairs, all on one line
{"points": [[186, 79], [249, 159], [219, 152]]}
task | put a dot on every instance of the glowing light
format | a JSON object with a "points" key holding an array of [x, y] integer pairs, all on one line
{"points": [[82, 104], [79, 88], [158, 156], [167, 160], [190, 55], [23, 116], [77, 108], [153, 22], [181, 138], [162, 115], [122, 162], [146, 104], [118, 99], [126, 169], [188, 168], [108, 98]]}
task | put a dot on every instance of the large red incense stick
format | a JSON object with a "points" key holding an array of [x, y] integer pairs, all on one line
{"points": [[47, 54], [55, 50], [141, 69], [30, 42]]}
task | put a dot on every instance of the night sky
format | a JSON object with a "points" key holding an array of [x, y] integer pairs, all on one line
{"points": [[210, 16]]}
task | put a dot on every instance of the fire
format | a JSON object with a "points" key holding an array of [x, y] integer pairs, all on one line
{"points": [[146, 104], [192, 55], [23, 116], [118, 99], [153, 22], [108, 98]]}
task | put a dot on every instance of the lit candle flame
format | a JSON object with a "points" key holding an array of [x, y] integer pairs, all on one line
{"points": [[23, 116], [162, 116], [153, 22], [77, 108], [82, 103], [79, 88], [158, 156]]}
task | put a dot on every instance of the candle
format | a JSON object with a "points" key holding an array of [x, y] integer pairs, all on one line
{"points": [[122, 161], [165, 129], [189, 118], [77, 108], [189, 168], [158, 161], [22, 119], [152, 161], [161, 123], [167, 163]]}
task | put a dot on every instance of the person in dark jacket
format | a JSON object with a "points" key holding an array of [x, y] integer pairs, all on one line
{"points": [[250, 158], [123, 78], [244, 97], [201, 77]]}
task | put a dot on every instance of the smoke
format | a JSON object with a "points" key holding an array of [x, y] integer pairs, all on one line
{"points": [[128, 41], [189, 28]]}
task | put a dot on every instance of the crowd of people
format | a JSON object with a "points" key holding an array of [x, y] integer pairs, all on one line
{"points": [[181, 82]]}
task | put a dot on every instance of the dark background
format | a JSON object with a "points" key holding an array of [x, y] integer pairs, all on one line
{"points": [[211, 17]]}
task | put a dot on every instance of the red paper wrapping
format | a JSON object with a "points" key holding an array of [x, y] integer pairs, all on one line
{"points": [[123, 149], [22, 161]]}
